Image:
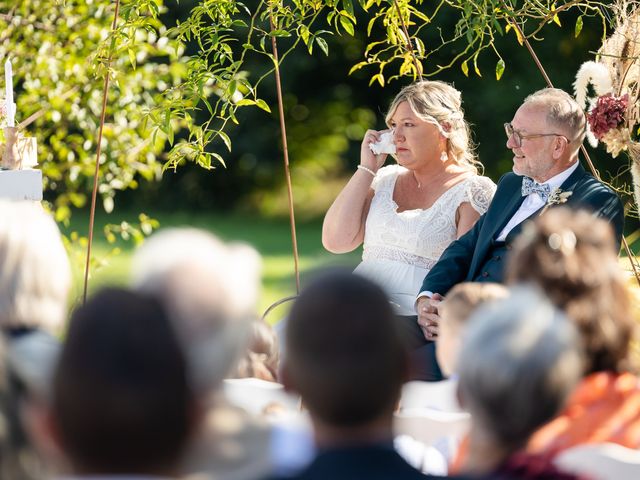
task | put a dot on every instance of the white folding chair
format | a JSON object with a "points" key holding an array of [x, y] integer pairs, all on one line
{"points": [[429, 426], [605, 461], [254, 395], [433, 395]]}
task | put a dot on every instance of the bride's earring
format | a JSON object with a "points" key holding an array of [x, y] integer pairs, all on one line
{"points": [[443, 156]]}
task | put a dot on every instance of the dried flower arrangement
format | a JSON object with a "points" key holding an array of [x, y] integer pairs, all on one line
{"points": [[614, 114]]}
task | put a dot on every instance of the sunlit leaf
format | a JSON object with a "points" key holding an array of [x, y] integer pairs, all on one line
{"points": [[347, 25], [499, 69], [465, 68], [322, 43], [579, 24]]}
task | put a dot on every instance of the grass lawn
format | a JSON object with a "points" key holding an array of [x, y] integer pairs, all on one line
{"points": [[272, 238]]}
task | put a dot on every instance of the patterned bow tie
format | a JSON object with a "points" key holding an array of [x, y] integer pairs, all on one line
{"points": [[531, 186]]}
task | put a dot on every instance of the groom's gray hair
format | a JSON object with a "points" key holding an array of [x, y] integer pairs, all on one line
{"points": [[210, 289], [563, 112], [520, 360]]}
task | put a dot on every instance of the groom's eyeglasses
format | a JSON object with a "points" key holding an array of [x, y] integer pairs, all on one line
{"points": [[518, 137]]}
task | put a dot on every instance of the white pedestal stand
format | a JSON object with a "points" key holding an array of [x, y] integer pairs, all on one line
{"points": [[21, 184]]}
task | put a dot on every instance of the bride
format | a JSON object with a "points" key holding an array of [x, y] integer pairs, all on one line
{"points": [[407, 214]]}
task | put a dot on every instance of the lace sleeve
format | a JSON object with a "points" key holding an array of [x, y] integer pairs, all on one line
{"points": [[383, 176], [479, 193]]}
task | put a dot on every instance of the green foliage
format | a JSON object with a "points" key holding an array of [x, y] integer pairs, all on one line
{"points": [[407, 38], [63, 49], [475, 26], [60, 52]]}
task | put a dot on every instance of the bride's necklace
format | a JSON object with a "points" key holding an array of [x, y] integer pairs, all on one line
{"points": [[437, 179], [417, 181]]}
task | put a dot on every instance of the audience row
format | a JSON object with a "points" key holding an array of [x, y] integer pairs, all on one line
{"points": [[140, 381]]}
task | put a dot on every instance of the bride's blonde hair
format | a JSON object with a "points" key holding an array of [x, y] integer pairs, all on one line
{"points": [[439, 103]]}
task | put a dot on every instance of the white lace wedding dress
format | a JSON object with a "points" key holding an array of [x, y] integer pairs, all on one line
{"points": [[401, 247]]}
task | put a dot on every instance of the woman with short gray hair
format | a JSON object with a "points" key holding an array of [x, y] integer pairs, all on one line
{"points": [[520, 360]]}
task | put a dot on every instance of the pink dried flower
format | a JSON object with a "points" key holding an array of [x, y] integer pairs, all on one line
{"points": [[607, 114]]}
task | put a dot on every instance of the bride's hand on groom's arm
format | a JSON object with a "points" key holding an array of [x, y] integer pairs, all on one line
{"points": [[428, 317]]}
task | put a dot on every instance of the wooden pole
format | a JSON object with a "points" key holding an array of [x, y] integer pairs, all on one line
{"points": [[94, 195]]}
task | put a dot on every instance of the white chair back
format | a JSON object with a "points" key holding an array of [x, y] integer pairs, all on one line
{"points": [[254, 395], [429, 426], [605, 461], [433, 395]]}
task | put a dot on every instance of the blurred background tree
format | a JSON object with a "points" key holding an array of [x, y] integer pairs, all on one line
{"points": [[176, 63], [58, 55], [327, 108]]}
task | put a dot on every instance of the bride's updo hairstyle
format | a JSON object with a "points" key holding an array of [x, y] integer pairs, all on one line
{"points": [[439, 103], [573, 257]]}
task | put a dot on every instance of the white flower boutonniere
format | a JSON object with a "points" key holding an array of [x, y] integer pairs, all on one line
{"points": [[556, 197]]}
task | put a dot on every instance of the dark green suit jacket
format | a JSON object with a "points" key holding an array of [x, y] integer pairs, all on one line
{"points": [[465, 258]]}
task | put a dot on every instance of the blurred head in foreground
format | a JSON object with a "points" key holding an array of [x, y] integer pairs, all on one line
{"points": [[455, 311], [210, 290], [519, 361], [35, 276], [121, 400], [572, 256], [345, 355]]}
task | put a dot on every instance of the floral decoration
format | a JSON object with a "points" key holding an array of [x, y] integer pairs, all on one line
{"points": [[556, 197], [607, 113], [613, 114]]}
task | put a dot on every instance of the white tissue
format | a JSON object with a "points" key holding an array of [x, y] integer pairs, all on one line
{"points": [[385, 145]]}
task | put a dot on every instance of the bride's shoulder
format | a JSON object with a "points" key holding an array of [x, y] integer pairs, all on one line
{"points": [[391, 170], [479, 191], [386, 175]]}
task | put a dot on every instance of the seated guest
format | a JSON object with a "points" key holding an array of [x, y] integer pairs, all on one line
{"points": [[35, 275], [455, 310], [345, 357], [573, 258], [122, 403], [519, 361], [35, 278], [210, 289], [260, 360]]}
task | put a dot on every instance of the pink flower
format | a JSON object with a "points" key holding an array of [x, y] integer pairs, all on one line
{"points": [[607, 114]]}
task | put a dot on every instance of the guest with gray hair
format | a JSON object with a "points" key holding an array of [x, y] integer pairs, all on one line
{"points": [[35, 278], [35, 275], [210, 289], [520, 360]]}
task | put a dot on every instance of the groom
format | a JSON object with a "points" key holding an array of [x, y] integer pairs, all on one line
{"points": [[545, 136]]}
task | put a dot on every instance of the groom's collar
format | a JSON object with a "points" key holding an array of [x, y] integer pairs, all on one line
{"points": [[577, 173], [557, 180]]}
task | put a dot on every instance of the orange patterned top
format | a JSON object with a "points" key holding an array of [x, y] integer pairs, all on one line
{"points": [[605, 407]]}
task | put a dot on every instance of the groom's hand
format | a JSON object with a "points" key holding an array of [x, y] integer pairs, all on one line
{"points": [[428, 317]]}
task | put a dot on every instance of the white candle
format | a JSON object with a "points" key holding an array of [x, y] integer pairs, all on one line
{"points": [[8, 99]]}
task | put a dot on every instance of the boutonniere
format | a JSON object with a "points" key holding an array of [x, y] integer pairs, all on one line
{"points": [[556, 197]]}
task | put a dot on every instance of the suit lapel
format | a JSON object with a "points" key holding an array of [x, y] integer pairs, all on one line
{"points": [[494, 223], [509, 210], [569, 184]]}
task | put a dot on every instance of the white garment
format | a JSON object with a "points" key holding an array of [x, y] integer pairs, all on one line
{"points": [[533, 202], [401, 247]]}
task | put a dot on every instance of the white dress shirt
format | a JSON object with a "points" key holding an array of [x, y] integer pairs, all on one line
{"points": [[533, 202]]}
